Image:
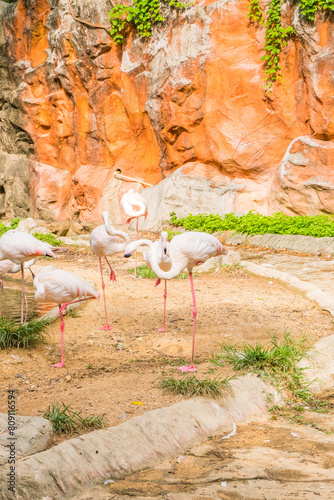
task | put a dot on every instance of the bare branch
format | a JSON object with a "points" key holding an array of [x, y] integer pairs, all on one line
{"points": [[86, 22]]}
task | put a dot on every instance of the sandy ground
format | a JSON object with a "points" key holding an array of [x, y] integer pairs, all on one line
{"points": [[106, 372]]}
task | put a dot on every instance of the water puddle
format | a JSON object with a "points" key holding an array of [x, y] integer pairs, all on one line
{"points": [[10, 302]]}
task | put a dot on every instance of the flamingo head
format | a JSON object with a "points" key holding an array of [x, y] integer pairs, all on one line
{"points": [[164, 242]]}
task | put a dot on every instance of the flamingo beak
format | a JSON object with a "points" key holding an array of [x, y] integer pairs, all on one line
{"points": [[127, 255]]}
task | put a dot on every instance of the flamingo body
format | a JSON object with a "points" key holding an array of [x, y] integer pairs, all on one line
{"points": [[20, 247], [106, 241], [63, 288], [186, 250]]}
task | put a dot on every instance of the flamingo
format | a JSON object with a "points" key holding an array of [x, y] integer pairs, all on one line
{"points": [[20, 247], [61, 287], [187, 250], [161, 249], [105, 241], [8, 266], [134, 205]]}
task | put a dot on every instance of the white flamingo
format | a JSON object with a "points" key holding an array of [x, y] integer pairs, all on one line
{"points": [[20, 247], [63, 288], [135, 206], [161, 249], [187, 250], [105, 241]]}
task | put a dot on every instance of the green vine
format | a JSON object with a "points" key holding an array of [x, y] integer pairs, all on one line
{"points": [[276, 36], [141, 15], [310, 7]]}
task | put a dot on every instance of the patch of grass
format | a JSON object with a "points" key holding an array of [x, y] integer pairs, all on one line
{"points": [[175, 361], [12, 225], [253, 223], [26, 335], [89, 366], [74, 313], [276, 361], [63, 419], [192, 386], [146, 272], [143, 272], [49, 238]]}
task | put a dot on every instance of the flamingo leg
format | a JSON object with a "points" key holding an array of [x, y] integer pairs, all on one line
{"points": [[136, 250], [107, 326], [163, 328], [23, 291], [191, 367], [112, 272], [62, 326]]}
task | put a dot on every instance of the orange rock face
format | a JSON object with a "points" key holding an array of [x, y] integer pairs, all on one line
{"points": [[191, 96]]}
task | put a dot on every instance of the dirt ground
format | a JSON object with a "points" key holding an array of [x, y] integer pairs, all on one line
{"points": [[107, 372]]}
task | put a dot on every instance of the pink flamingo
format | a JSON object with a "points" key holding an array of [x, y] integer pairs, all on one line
{"points": [[61, 287], [161, 249], [105, 241], [134, 205], [20, 247], [187, 250]]}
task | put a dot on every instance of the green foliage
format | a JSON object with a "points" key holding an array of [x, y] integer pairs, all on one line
{"points": [[254, 12], [12, 225], [276, 38], [277, 361], [26, 335], [63, 419], [253, 223], [48, 238], [310, 7], [141, 15], [143, 272], [146, 272], [192, 386]]}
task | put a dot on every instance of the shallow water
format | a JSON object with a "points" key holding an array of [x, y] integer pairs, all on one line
{"points": [[10, 302]]}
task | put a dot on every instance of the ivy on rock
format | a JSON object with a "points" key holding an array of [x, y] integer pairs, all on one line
{"points": [[140, 15], [276, 35]]}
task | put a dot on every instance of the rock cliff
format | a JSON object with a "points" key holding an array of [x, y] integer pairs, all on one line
{"points": [[190, 101]]}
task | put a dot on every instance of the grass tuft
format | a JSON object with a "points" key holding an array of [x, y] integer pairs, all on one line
{"points": [[192, 386], [277, 361], [26, 335], [63, 419]]}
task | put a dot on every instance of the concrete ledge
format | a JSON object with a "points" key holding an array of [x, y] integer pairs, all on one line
{"points": [[138, 443], [290, 242]]}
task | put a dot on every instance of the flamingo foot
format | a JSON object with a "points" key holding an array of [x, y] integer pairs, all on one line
{"points": [[112, 276], [162, 329], [157, 282], [106, 327], [59, 365], [188, 368]]}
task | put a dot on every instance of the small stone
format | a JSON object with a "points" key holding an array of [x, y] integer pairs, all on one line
{"points": [[68, 378], [122, 416]]}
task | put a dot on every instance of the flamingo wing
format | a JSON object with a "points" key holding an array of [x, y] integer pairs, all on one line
{"points": [[20, 247]]}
